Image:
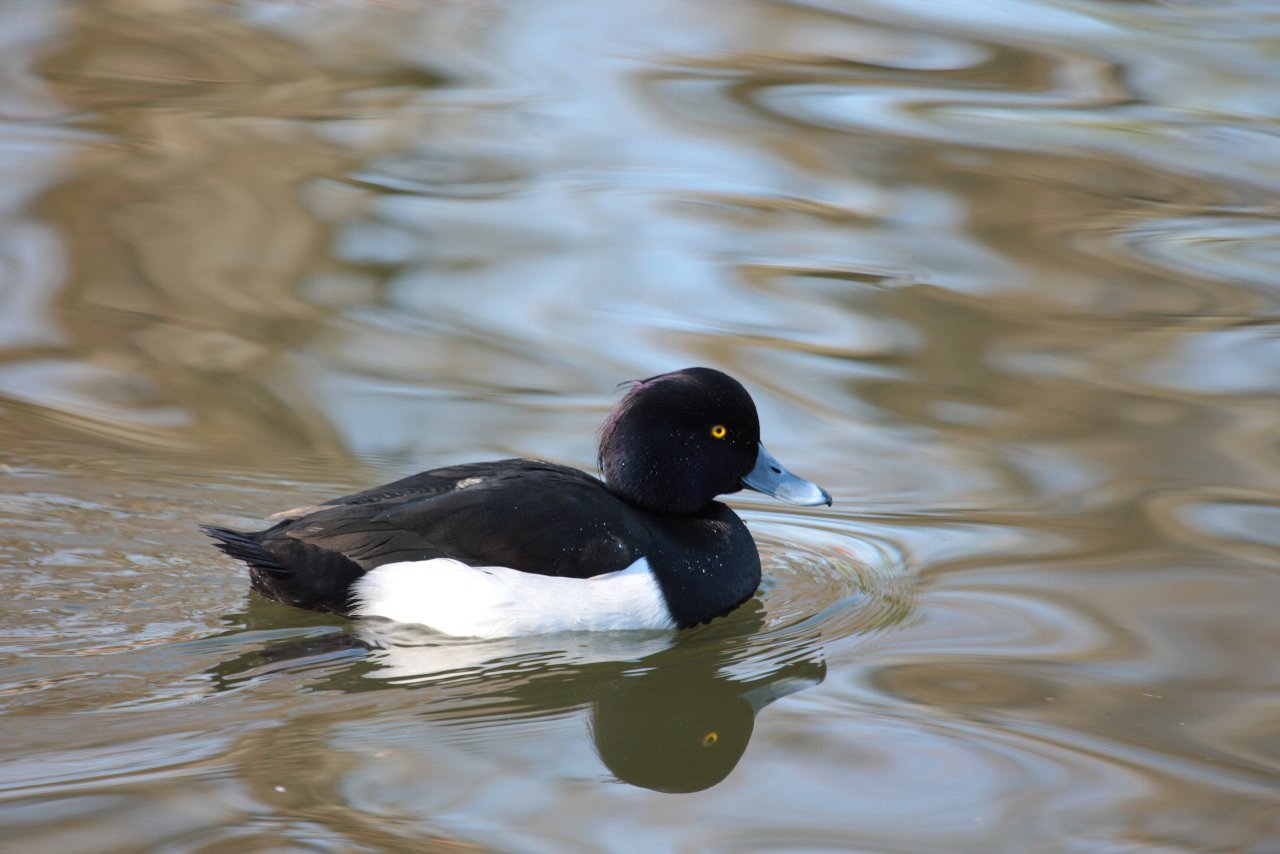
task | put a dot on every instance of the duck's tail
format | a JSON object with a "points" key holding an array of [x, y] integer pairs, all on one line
{"points": [[245, 547], [289, 570]]}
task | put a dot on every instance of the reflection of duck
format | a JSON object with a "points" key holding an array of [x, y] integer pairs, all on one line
{"points": [[684, 730], [523, 547], [673, 712]]}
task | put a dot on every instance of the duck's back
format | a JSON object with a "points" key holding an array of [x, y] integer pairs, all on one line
{"points": [[526, 515]]}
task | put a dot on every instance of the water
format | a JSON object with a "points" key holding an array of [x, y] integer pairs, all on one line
{"points": [[1002, 276]]}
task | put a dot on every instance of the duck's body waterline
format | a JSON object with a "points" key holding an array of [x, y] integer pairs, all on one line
{"points": [[520, 546]]}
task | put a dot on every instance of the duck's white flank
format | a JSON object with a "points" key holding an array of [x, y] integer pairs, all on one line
{"points": [[495, 601]]}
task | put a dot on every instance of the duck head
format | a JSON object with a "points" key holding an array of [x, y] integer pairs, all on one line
{"points": [[677, 440]]}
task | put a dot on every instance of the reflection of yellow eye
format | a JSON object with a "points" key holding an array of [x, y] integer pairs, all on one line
{"points": [[719, 431], [710, 738]]}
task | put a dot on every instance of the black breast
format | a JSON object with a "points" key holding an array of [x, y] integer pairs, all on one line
{"points": [[707, 564]]}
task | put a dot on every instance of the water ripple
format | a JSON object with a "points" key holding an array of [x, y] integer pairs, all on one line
{"points": [[1235, 522]]}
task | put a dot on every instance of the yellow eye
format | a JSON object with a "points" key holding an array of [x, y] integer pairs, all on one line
{"points": [[710, 739], [719, 431]]}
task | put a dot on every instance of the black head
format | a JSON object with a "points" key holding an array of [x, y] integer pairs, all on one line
{"points": [[678, 440]]}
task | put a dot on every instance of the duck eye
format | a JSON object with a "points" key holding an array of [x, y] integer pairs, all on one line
{"points": [[719, 431]]}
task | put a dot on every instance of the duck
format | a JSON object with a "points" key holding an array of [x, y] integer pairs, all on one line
{"points": [[521, 546]]}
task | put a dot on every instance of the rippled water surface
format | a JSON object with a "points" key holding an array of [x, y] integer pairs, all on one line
{"points": [[1003, 275]]}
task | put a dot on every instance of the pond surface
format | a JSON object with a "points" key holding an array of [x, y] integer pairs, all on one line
{"points": [[1003, 276]]}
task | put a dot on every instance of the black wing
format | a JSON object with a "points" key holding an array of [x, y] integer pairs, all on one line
{"points": [[527, 515], [442, 480], [531, 516]]}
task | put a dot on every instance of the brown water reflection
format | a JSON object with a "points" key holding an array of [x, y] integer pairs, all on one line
{"points": [[1002, 275]]}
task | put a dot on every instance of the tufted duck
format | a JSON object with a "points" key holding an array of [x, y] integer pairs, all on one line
{"points": [[520, 546]]}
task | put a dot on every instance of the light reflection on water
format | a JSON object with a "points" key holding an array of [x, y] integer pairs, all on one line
{"points": [[1001, 276]]}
